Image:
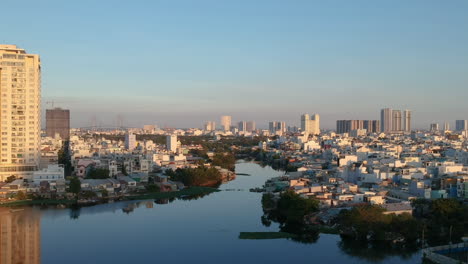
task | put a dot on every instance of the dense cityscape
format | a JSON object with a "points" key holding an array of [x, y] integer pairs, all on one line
{"points": [[378, 173], [231, 132]]}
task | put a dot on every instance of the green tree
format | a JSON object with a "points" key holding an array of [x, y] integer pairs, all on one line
{"points": [[10, 179], [75, 185], [98, 173], [20, 195]]}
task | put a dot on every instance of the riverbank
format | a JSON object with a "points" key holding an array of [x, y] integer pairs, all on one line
{"points": [[188, 192]]}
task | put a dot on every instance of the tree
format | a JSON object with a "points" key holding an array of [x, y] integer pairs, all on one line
{"points": [[21, 195], [10, 179], [98, 173], [75, 185]]}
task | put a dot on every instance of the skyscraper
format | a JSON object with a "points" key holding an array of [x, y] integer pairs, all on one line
{"points": [[446, 126], [210, 126], [396, 120], [20, 110], [407, 121], [130, 141], [242, 127], [58, 122], [434, 127], [171, 143], [461, 125], [226, 123], [310, 124], [386, 119], [251, 126]]}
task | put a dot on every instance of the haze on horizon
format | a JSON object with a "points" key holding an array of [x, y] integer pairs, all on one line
{"points": [[180, 63]]}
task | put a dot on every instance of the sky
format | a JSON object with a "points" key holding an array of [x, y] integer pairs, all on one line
{"points": [[179, 63]]}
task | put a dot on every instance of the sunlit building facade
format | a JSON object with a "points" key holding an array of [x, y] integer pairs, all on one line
{"points": [[20, 112]]}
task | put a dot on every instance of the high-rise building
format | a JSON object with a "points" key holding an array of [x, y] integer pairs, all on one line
{"points": [[58, 123], [407, 121], [446, 126], [277, 127], [346, 126], [20, 111], [396, 120], [251, 126], [210, 126], [242, 127], [310, 124], [171, 143], [226, 123], [461, 125], [434, 127], [386, 120], [130, 141]]}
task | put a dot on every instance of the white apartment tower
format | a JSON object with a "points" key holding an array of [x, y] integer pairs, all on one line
{"points": [[226, 123], [20, 112], [130, 141], [310, 124], [407, 121], [396, 121], [386, 118], [171, 143]]}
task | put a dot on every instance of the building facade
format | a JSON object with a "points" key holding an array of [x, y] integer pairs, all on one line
{"points": [[20, 111], [130, 141], [461, 125], [58, 123], [346, 126], [226, 123], [386, 119], [310, 124]]}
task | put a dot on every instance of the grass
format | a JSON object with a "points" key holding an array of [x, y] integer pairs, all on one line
{"points": [[265, 235]]}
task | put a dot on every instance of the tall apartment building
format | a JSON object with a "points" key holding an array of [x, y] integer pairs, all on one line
{"points": [[130, 141], [171, 143], [251, 126], [310, 124], [58, 122], [407, 121], [461, 125], [210, 126], [346, 126], [225, 123], [394, 121], [20, 111], [386, 119], [277, 127], [242, 127], [434, 127], [446, 126]]}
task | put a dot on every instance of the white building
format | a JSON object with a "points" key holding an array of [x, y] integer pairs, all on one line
{"points": [[130, 141], [51, 173], [310, 124], [171, 143], [225, 123]]}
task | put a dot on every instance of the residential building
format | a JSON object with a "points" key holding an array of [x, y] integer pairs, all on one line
{"points": [[225, 123], [210, 126], [407, 120], [130, 141], [386, 119], [310, 124], [20, 111], [434, 127], [396, 120], [242, 127], [251, 126], [461, 125], [171, 143], [345, 126]]}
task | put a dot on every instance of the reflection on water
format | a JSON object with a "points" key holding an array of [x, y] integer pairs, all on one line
{"points": [[204, 229], [20, 237]]}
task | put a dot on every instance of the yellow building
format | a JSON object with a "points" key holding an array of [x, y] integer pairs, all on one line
{"points": [[20, 236], [20, 111]]}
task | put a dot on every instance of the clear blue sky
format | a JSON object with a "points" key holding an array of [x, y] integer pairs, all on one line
{"points": [[179, 63]]}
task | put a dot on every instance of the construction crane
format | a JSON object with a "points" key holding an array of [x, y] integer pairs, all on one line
{"points": [[52, 103]]}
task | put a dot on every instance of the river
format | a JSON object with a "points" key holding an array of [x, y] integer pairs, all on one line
{"points": [[205, 230]]}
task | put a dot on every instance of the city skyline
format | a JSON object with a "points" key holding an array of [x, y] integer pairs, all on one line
{"points": [[278, 61]]}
